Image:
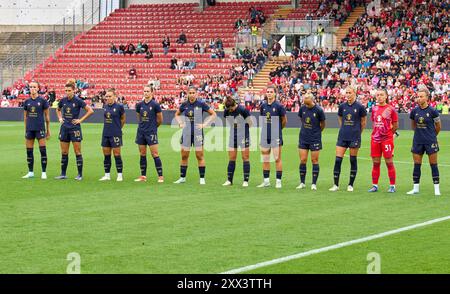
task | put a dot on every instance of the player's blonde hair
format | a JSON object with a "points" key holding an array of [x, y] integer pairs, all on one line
{"points": [[424, 90]]}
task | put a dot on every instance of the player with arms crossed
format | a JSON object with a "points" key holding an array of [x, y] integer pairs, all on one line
{"points": [[150, 117], [310, 138], [352, 117], [272, 114], [426, 123], [384, 125], [192, 110], [240, 123], [113, 122], [68, 111], [35, 111]]}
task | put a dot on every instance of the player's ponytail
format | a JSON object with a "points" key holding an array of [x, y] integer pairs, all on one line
{"points": [[229, 102]]}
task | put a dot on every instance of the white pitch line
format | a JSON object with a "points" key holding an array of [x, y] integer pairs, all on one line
{"points": [[404, 162], [333, 247]]}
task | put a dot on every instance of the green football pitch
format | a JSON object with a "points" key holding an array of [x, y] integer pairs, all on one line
{"points": [[129, 227]]}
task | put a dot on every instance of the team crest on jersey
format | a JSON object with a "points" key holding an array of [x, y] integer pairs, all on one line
{"points": [[39, 103], [150, 108], [355, 110], [314, 114], [273, 109], [428, 114], [379, 118], [114, 110], [73, 104]]}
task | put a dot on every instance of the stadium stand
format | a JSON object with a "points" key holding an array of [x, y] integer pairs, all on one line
{"points": [[400, 47]]}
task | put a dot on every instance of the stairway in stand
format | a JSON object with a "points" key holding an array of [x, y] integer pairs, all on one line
{"points": [[348, 23], [261, 80]]}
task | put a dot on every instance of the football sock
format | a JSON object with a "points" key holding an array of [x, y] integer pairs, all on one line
{"points": [[107, 164], [375, 173], [64, 163], [417, 173], [119, 163], [246, 170], [143, 163], [279, 174], [266, 174], [337, 169], [315, 173], [353, 169], [202, 170], [80, 165], [158, 165], [391, 173], [302, 170], [435, 173], [43, 151], [230, 170], [183, 170], [30, 159]]}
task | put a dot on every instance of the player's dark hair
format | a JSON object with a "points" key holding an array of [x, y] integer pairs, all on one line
{"points": [[192, 87], [230, 102], [385, 92], [70, 85], [272, 87]]}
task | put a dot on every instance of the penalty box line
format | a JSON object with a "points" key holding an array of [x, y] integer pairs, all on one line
{"points": [[333, 247]]}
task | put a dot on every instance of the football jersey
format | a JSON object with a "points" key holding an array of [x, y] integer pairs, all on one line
{"points": [[70, 109], [271, 114], [425, 132], [112, 127], [147, 113], [35, 113], [193, 112], [351, 120], [382, 119], [310, 131]]}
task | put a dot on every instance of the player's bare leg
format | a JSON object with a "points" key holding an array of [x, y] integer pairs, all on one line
{"points": [[265, 153]]}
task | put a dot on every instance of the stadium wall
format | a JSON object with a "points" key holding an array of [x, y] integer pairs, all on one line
{"points": [[16, 114]]}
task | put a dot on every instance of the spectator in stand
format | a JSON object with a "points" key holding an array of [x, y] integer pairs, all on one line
{"points": [[149, 54], [132, 74], [130, 48], [182, 39], [5, 102], [121, 49], [113, 49], [219, 43], [197, 48], [166, 44], [173, 63], [276, 47]]}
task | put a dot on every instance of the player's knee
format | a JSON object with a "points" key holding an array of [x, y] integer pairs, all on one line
{"points": [[155, 154], [116, 152], [314, 160]]}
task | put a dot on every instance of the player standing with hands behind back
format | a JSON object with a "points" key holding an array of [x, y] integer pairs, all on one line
{"points": [[113, 122], [352, 117], [35, 110], [68, 111], [426, 124], [384, 125]]}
